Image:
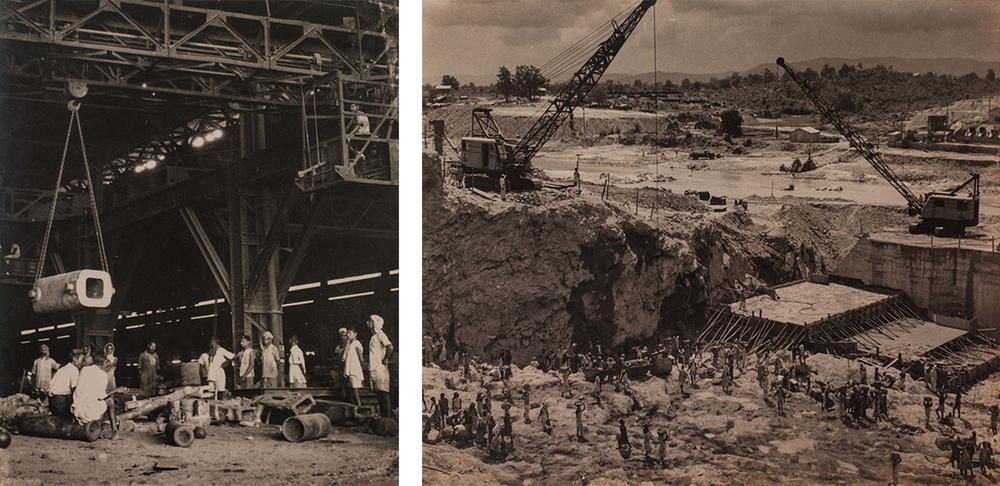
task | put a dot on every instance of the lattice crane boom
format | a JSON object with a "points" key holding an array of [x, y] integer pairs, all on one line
{"points": [[575, 91], [914, 203]]}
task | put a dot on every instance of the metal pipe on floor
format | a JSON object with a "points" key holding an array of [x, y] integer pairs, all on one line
{"points": [[59, 427]]}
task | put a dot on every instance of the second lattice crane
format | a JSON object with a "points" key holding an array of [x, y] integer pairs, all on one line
{"points": [[950, 211]]}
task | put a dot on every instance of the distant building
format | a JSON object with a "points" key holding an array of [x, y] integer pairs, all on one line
{"points": [[937, 123], [806, 135], [441, 93]]}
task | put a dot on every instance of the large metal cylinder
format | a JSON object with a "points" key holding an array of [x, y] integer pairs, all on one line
{"points": [[179, 434], [82, 289], [59, 427], [306, 427]]}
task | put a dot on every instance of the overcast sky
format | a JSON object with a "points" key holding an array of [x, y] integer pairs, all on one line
{"points": [[704, 36]]}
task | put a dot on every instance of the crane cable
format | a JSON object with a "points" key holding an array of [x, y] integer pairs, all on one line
{"points": [[74, 118], [570, 59], [656, 125]]}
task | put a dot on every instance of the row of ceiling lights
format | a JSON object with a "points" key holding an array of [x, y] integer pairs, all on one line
{"points": [[197, 142]]}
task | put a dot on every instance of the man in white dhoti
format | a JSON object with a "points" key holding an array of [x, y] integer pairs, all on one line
{"points": [[296, 365], [354, 374], [379, 352], [217, 358], [91, 391]]}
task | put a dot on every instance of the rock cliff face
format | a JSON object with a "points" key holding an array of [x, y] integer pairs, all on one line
{"points": [[540, 271]]}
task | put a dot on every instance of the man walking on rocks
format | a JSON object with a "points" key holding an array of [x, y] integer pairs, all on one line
{"points": [[895, 460], [543, 418], [580, 407], [662, 437], [928, 403], [779, 395], [647, 442], [526, 395]]}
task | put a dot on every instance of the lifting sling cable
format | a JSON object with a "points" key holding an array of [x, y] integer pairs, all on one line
{"points": [[74, 118]]}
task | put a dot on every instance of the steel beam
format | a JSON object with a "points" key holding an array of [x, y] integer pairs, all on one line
{"points": [[79, 28], [207, 249], [287, 277], [163, 49]]}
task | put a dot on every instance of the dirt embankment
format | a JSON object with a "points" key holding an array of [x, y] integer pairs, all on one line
{"points": [[541, 270], [458, 122]]}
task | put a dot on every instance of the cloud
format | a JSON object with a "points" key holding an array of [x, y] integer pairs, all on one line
{"points": [[516, 14], [699, 36], [882, 16]]}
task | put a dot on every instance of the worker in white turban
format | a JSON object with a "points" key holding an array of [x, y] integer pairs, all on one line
{"points": [[379, 352]]}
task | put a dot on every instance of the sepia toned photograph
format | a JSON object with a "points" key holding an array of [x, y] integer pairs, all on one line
{"points": [[199, 230], [710, 242]]}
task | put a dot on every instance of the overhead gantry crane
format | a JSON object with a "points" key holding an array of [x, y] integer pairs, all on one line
{"points": [[950, 211]]}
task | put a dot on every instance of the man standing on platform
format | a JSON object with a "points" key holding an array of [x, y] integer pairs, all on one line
{"points": [[353, 372], [296, 365], [246, 359], [379, 352], [218, 356], [270, 357]]}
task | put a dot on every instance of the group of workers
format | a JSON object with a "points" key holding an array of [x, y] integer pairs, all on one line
{"points": [[351, 369], [475, 424], [268, 359], [864, 398], [82, 387]]}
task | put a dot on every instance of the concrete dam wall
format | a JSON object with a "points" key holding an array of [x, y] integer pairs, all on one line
{"points": [[936, 274]]}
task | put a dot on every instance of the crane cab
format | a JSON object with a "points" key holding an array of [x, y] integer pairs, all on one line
{"points": [[482, 154], [951, 212]]}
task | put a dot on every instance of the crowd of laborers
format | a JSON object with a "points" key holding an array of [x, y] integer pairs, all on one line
{"points": [[862, 400], [82, 388], [477, 425]]}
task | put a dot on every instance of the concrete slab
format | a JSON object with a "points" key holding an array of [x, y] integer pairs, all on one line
{"points": [[804, 303], [910, 337]]}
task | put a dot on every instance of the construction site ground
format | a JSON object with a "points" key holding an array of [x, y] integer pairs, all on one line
{"points": [[714, 438], [841, 175], [757, 176], [228, 455], [794, 225]]}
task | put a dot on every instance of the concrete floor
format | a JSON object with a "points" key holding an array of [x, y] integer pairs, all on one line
{"points": [[229, 455]]}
